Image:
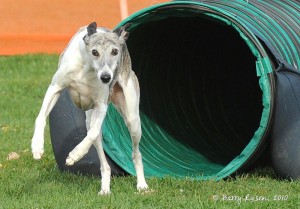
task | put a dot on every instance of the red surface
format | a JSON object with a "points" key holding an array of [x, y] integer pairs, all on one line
{"points": [[39, 26]]}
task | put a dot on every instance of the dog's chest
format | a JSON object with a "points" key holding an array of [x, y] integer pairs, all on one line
{"points": [[86, 91]]}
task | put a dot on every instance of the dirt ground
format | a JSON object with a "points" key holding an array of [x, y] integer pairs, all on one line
{"points": [[39, 26]]}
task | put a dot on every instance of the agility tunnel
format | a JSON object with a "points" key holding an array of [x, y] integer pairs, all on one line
{"points": [[219, 82]]}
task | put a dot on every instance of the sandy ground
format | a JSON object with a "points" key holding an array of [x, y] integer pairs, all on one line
{"points": [[39, 26]]}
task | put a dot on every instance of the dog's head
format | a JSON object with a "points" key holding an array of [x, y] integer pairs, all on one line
{"points": [[104, 50]]}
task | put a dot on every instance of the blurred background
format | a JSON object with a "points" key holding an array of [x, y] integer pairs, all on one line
{"points": [[40, 26]]}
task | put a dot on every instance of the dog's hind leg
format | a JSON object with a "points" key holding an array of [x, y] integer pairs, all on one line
{"points": [[104, 167], [37, 143], [125, 97]]}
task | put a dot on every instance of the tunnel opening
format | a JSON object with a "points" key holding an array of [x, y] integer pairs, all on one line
{"points": [[201, 101]]}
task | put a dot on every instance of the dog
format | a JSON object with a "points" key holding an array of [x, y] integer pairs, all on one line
{"points": [[95, 67]]}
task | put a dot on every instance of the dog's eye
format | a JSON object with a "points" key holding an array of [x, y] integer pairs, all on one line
{"points": [[95, 52], [114, 52]]}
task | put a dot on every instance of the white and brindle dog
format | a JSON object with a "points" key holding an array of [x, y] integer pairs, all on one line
{"points": [[96, 68]]}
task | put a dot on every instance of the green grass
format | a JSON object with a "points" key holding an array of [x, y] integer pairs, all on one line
{"points": [[25, 183]]}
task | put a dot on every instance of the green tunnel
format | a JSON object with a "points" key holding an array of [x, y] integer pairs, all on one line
{"points": [[206, 93]]}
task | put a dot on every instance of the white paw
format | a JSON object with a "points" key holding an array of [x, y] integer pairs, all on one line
{"points": [[37, 148], [104, 192], [70, 161], [77, 153], [37, 155], [142, 186], [144, 190], [74, 156]]}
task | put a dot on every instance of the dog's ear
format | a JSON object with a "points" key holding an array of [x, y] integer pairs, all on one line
{"points": [[91, 29], [122, 31]]}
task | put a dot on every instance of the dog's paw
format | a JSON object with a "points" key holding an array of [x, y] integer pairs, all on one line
{"points": [[104, 192], [72, 158], [76, 154], [143, 189], [142, 186], [69, 161], [37, 155], [37, 150], [37, 146]]}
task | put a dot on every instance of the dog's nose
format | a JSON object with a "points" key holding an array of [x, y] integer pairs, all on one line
{"points": [[105, 77]]}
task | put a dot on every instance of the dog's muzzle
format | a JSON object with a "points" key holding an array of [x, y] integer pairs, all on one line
{"points": [[105, 77]]}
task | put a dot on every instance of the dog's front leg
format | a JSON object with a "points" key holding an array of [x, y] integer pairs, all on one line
{"points": [[97, 116], [105, 169], [37, 142], [94, 136]]}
